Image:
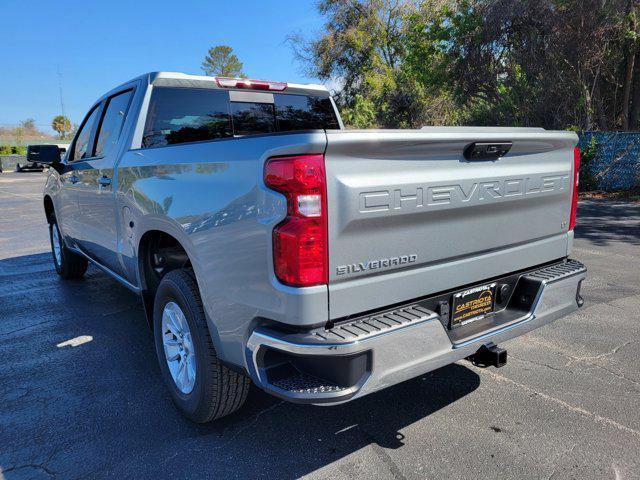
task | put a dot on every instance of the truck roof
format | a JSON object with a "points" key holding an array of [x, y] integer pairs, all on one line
{"points": [[177, 79]]}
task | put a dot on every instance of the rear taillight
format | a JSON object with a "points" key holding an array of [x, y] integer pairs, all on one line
{"points": [[576, 176], [300, 240], [226, 82]]}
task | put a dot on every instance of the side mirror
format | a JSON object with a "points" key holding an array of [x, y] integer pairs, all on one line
{"points": [[43, 154]]}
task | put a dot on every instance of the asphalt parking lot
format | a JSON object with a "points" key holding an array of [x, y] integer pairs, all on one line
{"points": [[81, 394]]}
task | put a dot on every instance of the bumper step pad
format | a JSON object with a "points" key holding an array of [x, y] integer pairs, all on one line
{"points": [[376, 324], [557, 272]]}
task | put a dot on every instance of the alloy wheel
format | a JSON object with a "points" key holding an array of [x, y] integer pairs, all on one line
{"points": [[178, 347]]}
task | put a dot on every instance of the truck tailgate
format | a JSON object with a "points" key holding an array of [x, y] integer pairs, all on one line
{"points": [[410, 216]]}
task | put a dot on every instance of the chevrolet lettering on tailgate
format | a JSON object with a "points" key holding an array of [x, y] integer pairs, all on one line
{"points": [[495, 190]]}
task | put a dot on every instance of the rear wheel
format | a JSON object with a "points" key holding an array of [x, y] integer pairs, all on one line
{"points": [[69, 265], [201, 387], [18, 167]]}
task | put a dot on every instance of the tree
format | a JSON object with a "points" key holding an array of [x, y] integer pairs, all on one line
{"points": [[18, 133], [549, 63], [62, 125], [221, 61], [373, 47], [29, 126], [631, 47]]}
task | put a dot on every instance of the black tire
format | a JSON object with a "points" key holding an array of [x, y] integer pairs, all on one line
{"points": [[18, 167], [217, 391], [71, 265]]}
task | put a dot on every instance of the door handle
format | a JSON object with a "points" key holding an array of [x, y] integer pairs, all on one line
{"points": [[73, 179], [104, 181]]}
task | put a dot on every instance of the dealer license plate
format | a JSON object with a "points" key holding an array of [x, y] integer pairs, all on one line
{"points": [[472, 304]]}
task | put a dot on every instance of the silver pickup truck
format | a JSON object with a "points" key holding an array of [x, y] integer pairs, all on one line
{"points": [[269, 244]]}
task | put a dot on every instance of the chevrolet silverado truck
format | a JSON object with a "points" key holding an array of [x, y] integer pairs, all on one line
{"points": [[271, 245]]}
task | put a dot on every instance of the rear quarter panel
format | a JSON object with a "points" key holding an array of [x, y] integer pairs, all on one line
{"points": [[211, 197]]}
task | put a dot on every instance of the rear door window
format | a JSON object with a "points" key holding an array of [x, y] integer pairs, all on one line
{"points": [[112, 122]]}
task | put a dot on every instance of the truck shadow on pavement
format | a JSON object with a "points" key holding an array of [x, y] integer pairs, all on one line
{"points": [[82, 396], [603, 221]]}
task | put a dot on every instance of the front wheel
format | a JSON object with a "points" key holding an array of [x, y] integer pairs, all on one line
{"points": [[201, 387], [69, 265]]}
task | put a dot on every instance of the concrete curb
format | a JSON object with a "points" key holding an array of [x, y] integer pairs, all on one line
{"points": [[8, 162]]}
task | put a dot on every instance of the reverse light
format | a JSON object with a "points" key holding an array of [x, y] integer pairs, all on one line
{"points": [[227, 82], [310, 205], [300, 240], [576, 177]]}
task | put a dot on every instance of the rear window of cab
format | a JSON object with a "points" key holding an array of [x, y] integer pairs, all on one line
{"points": [[180, 115]]}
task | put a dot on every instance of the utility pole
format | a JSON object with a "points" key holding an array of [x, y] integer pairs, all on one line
{"points": [[60, 88]]}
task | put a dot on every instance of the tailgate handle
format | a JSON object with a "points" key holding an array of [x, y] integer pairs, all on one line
{"points": [[486, 150]]}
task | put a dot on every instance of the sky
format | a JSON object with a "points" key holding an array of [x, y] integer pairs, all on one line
{"points": [[98, 44]]}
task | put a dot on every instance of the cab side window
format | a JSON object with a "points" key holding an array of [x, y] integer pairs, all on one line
{"points": [[81, 148], [112, 123]]}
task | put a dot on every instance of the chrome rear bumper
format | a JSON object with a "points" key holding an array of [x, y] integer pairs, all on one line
{"points": [[395, 346]]}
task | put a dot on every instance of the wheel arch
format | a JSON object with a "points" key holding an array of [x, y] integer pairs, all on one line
{"points": [[165, 238], [158, 253], [49, 210]]}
